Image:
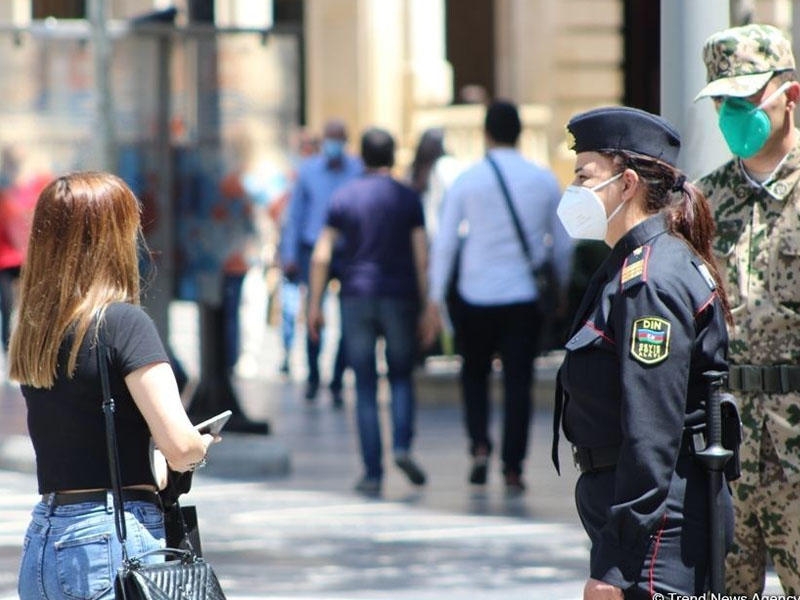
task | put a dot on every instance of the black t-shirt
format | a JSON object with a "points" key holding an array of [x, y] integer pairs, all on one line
{"points": [[66, 422]]}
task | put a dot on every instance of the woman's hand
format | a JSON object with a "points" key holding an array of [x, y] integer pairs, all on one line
{"points": [[155, 394], [600, 590]]}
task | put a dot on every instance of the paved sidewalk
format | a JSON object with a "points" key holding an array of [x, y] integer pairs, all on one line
{"points": [[306, 535]]}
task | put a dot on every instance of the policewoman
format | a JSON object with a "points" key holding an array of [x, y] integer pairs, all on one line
{"points": [[646, 342]]}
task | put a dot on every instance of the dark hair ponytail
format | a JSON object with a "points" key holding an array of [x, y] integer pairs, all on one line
{"points": [[691, 218], [687, 210]]}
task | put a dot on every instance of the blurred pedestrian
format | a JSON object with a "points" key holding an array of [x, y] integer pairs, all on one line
{"points": [[235, 216], [318, 178], [756, 205], [19, 189], [432, 172], [499, 300], [81, 287], [306, 145], [384, 255]]}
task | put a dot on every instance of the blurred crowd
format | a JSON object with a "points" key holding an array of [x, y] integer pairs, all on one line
{"points": [[449, 284]]}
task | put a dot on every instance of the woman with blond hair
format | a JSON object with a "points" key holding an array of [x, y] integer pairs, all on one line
{"points": [[80, 288]]}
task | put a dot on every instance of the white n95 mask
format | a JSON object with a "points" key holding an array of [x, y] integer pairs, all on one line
{"points": [[582, 212]]}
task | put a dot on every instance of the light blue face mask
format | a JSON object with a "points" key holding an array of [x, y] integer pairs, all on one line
{"points": [[746, 127], [332, 148]]}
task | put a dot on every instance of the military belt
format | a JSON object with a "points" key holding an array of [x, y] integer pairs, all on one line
{"points": [[773, 379]]}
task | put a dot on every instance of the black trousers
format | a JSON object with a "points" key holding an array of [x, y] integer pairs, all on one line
{"points": [[512, 332], [675, 555]]}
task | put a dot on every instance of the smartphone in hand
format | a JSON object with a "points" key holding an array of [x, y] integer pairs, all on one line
{"points": [[215, 424]]}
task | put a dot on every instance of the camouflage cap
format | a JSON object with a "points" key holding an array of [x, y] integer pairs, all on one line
{"points": [[741, 60]]}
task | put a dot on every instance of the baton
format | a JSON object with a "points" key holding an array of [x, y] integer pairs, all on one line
{"points": [[713, 458]]}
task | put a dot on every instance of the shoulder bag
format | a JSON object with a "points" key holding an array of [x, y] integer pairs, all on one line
{"points": [[542, 275], [186, 576]]}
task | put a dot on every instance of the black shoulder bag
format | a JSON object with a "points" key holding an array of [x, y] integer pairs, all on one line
{"points": [[185, 577]]}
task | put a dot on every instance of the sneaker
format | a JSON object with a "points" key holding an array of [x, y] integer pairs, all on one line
{"points": [[514, 483], [337, 399], [368, 486], [410, 468], [480, 468], [285, 367]]}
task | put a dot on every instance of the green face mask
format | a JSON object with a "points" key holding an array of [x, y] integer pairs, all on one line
{"points": [[745, 127]]}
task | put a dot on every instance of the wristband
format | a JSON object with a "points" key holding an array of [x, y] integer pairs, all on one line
{"points": [[198, 465]]}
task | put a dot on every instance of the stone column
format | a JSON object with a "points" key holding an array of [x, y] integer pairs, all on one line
{"points": [[381, 51], [428, 80], [16, 12], [360, 62], [525, 34], [332, 61]]}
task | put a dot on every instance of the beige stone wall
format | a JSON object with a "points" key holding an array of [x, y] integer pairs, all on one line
{"points": [[382, 62], [333, 46], [587, 67]]}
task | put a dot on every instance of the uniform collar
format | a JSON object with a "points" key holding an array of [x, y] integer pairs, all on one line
{"points": [[639, 236], [781, 183], [636, 237]]}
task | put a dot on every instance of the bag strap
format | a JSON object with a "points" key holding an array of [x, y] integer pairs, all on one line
{"points": [[526, 249], [103, 358]]}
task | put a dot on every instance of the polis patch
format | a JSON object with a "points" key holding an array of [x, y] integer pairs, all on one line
{"points": [[650, 340]]}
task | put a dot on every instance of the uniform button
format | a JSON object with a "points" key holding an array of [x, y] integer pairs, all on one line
{"points": [[780, 189]]}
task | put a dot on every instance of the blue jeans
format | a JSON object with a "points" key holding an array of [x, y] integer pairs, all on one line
{"points": [[72, 553], [290, 306], [313, 347], [363, 321]]}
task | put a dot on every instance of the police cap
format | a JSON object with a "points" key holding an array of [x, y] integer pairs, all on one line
{"points": [[624, 128]]}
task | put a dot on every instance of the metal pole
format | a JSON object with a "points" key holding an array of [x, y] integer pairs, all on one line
{"points": [[215, 391], [106, 151], [685, 25], [163, 239]]}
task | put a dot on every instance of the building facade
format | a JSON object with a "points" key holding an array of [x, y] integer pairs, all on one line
{"points": [[410, 64]]}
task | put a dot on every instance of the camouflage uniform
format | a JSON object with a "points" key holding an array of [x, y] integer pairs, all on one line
{"points": [[758, 251]]}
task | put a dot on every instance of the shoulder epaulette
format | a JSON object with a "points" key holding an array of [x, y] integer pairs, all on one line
{"points": [[705, 273], [634, 269]]}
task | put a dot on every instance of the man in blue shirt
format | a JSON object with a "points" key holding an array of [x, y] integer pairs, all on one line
{"points": [[384, 256], [317, 179]]}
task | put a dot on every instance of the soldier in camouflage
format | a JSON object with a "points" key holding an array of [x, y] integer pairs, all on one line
{"points": [[756, 204]]}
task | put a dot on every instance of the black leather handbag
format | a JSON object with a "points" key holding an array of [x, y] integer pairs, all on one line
{"points": [[186, 576]]}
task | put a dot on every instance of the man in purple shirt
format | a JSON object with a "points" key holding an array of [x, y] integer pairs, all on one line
{"points": [[318, 178], [381, 227]]}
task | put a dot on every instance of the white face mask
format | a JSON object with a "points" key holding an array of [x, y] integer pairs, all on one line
{"points": [[582, 212]]}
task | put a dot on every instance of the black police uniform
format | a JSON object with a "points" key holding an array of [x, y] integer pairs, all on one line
{"points": [[649, 333]]}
